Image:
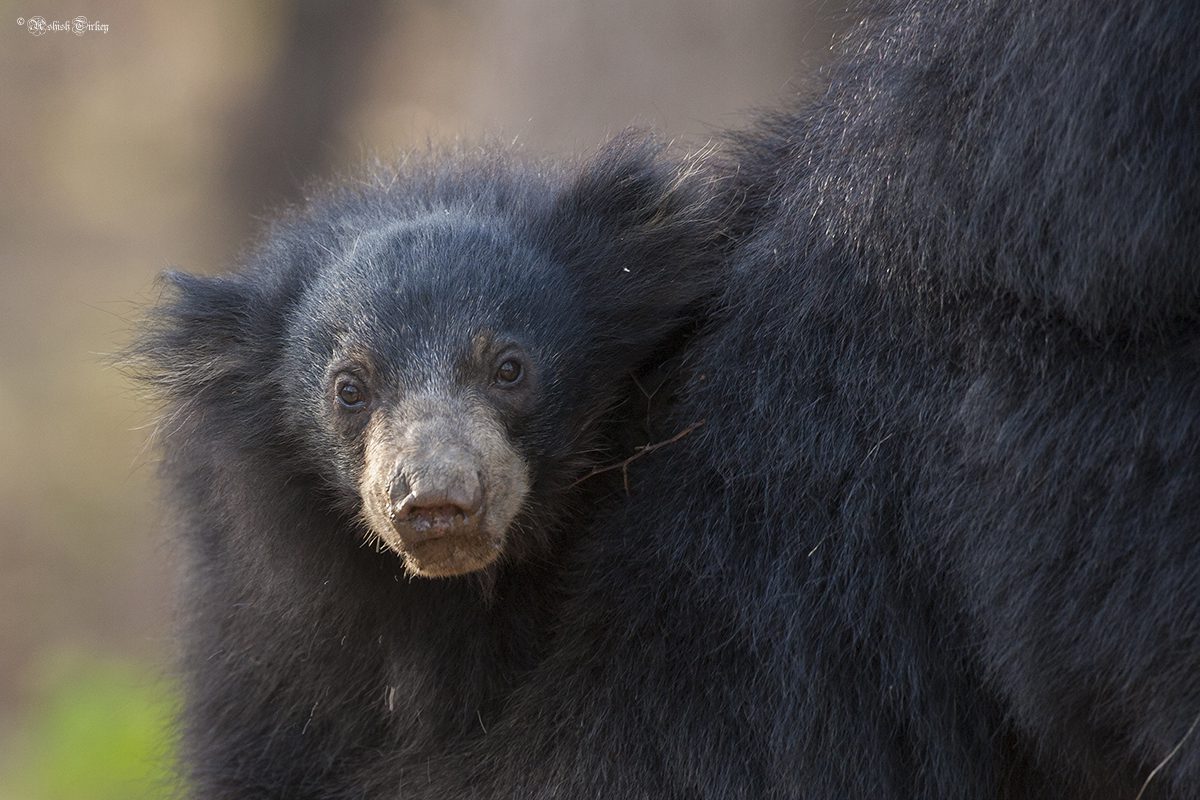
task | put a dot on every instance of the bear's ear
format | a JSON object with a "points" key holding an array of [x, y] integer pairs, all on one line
{"points": [[646, 237], [195, 343], [623, 184], [631, 188]]}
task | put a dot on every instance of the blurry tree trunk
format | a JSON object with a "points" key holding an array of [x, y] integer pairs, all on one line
{"points": [[286, 132]]}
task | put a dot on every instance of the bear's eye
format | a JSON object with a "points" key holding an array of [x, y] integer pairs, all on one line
{"points": [[351, 395], [509, 372]]}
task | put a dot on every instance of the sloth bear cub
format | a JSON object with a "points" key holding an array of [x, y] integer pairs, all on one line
{"points": [[382, 433]]}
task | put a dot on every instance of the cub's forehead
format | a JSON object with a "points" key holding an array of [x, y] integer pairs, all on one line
{"points": [[436, 259], [435, 282]]}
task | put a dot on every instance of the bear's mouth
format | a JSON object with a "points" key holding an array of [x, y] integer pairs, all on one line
{"points": [[444, 540], [448, 553], [435, 523]]}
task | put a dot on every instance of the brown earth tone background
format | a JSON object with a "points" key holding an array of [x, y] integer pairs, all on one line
{"points": [[164, 141]]}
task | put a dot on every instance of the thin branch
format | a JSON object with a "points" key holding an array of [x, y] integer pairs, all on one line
{"points": [[641, 451]]}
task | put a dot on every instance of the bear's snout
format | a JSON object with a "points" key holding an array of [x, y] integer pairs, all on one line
{"points": [[442, 484], [445, 499]]}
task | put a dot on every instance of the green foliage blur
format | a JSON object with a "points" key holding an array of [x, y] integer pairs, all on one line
{"points": [[102, 732]]}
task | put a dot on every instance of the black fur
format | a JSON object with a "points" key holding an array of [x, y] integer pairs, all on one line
{"points": [[939, 536], [310, 656]]}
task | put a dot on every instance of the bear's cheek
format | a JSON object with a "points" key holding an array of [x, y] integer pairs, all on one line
{"points": [[441, 484]]}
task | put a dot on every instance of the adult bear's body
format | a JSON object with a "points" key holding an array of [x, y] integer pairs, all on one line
{"points": [[938, 534], [936, 537]]}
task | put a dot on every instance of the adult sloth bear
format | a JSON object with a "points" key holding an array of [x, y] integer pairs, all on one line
{"points": [[936, 538]]}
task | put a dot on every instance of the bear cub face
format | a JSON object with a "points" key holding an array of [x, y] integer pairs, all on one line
{"points": [[436, 360], [443, 353]]}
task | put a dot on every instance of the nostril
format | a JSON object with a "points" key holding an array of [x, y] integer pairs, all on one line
{"points": [[399, 509], [399, 495], [398, 489]]}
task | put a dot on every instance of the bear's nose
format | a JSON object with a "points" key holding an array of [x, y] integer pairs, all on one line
{"points": [[438, 503]]}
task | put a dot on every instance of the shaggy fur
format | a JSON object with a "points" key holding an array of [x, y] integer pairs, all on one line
{"points": [[311, 654], [939, 535], [936, 538]]}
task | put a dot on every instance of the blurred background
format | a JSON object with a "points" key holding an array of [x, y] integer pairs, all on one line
{"points": [[165, 140]]}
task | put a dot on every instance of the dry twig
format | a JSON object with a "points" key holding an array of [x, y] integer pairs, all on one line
{"points": [[641, 451]]}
